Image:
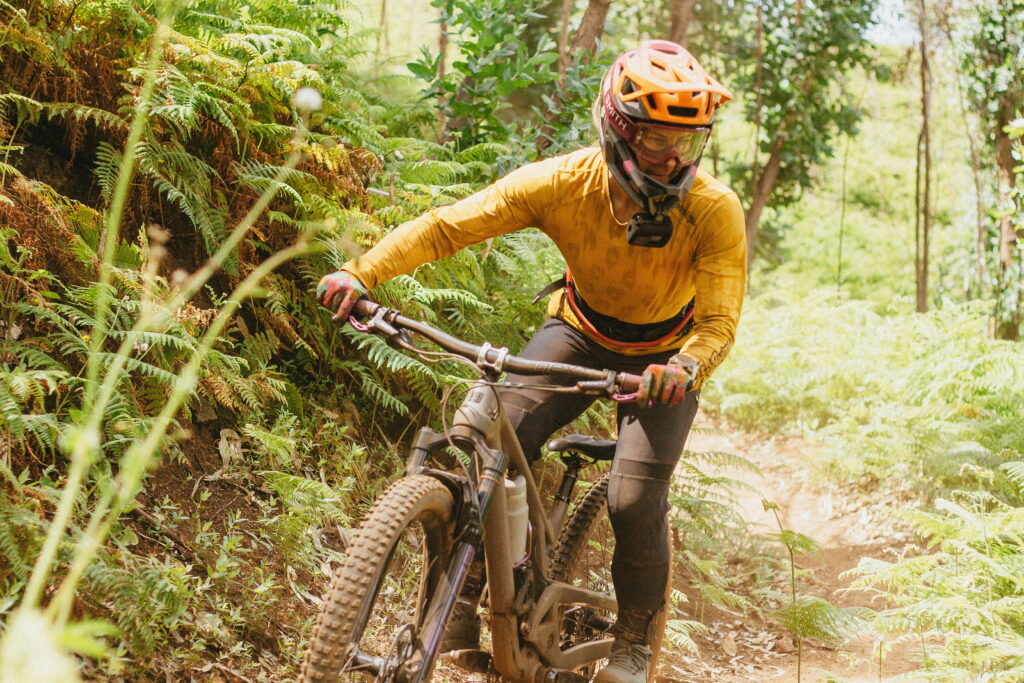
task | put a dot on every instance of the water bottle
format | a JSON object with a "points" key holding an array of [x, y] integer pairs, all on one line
{"points": [[518, 516]]}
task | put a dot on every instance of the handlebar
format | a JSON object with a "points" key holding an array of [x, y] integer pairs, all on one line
{"points": [[395, 326]]}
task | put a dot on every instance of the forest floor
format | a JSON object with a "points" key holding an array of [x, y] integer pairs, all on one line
{"points": [[846, 522]]}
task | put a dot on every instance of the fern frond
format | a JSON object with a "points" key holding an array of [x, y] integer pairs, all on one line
{"points": [[308, 498], [142, 367], [101, 117], [812, 617]]}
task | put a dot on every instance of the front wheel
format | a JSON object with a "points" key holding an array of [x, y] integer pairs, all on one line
{"points": [[583, 556], [379, 596]]}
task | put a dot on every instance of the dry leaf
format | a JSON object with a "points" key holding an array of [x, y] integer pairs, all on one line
{"points": [[785, 644], [729, 645]]}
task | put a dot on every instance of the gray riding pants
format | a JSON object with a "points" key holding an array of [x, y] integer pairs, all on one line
{"points": [[649, 445]]}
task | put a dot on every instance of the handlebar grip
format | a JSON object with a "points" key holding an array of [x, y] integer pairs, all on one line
{"points": [[628, 382], [364, 308]]}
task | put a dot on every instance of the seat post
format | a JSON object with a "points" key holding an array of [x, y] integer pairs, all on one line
{"points": [[573, 465]]}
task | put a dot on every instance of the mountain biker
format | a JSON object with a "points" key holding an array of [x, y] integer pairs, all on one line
{"points": [[656, 268]]}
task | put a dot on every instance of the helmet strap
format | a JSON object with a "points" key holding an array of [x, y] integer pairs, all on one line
{"points": [[653, 228]]}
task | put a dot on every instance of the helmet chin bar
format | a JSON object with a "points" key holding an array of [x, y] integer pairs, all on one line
{"points": [[652, 227]]}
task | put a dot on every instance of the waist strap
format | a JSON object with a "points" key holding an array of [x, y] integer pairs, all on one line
{"points": [[619, 331]]}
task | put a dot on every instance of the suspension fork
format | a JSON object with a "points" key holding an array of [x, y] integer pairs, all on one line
{"points": [[491, 473]]}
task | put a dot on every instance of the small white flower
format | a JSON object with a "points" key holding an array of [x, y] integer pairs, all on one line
{"points": [[307, 100]]}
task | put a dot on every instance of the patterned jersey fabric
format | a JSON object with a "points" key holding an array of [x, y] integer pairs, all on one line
{"points": [[567, 198]]}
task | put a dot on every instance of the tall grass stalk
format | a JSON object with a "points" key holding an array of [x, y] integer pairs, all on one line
{"points": [[191, 285], [166, 10], [140, 455], [83, 441], [87, 441], [774, 509]]}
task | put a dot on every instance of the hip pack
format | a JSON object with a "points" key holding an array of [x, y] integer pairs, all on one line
{"points": [[616, 331]]}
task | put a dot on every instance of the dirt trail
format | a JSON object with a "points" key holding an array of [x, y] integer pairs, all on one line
{"points": [[848, 527]]}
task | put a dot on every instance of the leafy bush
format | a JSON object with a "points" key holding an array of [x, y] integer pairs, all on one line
{"points": [[900, 398], [959, 599]]}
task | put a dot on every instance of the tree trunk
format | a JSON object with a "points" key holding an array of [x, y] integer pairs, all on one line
{"points": [[591, 26], [762, 189], [1007, 181], [442, 49], [590, 29], [977, 287], [682, 12], [980, 230], [383, 47], [923, 219], [1007, 329], [758, 81]]}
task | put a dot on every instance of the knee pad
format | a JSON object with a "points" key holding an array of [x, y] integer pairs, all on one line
{"points": [[638, 491]]}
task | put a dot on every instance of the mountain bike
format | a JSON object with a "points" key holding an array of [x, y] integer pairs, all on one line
{"points": [[549, 610]]}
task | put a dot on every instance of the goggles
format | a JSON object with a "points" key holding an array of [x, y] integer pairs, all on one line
{"points": [[655, 144]]}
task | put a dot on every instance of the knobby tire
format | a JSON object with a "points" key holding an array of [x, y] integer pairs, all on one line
{"points": [[577, 530], [583, 530], [417, 506]]}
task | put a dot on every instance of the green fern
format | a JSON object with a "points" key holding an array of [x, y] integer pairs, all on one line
{"points": [[313, 501], [147, 597], [812, 617]]}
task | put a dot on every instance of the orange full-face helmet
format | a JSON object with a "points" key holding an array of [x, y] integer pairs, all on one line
{"points": [[657, 102]]}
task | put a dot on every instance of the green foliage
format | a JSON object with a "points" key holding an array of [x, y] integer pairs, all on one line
{"points": [[21, 531], [964, 590], [147, 597], [212, 143], [870, 389], [679, 632], [504, 85], [216, 136], [783, 61], [493, 63], [811, 617], [986, 34], [312, 500]]}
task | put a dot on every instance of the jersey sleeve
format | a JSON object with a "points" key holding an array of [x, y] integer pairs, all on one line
{"points": [[721, 274], [514, 202]]}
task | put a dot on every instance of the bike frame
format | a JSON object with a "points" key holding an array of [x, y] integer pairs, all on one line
{"points": [[482, 429]]}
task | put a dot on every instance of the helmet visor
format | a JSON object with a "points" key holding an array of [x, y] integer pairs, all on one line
{"points": [[655, 144]]}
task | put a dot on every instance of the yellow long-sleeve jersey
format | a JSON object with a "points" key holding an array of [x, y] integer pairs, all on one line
{"points": [[567, 198]]}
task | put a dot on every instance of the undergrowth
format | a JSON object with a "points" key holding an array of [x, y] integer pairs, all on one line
{"points": [[129, 178], [922, 409], [926, 401]]}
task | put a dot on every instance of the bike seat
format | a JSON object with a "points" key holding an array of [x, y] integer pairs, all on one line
{"points": [[597, 449]]}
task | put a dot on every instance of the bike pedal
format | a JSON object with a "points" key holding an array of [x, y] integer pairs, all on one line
{"points": [[559, 676], [476, 661]]}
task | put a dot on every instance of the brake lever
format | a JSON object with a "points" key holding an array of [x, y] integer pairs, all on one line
{"points": [[395, 338]]}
